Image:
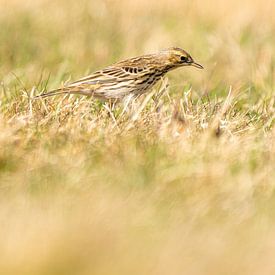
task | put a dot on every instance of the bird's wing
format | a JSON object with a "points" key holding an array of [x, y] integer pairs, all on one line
{"points": [[113, 81], [110, 75], [116, 78]]}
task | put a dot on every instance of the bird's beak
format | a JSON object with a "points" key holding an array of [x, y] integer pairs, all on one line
{"points": [[197, 65]]}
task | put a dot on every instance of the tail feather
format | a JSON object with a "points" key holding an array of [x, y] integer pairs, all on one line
{"points": [[79, 90], [52, 93]]}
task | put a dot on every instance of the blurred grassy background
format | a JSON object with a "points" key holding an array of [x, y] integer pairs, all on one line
{"points": [[186, 188]]}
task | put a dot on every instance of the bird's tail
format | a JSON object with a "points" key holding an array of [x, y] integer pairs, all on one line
{"points": [[59, 91]]}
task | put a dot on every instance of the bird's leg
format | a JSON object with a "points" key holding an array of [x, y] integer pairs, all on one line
{"points": [[126, 103]]}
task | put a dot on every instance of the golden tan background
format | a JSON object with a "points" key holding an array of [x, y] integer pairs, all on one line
{"points": [[185, 188]]}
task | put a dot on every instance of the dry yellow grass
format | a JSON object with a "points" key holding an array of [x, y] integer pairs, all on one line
{"points": [[182, 183]]}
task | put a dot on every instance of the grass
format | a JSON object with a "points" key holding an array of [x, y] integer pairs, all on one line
{"points": [[182, 183]]}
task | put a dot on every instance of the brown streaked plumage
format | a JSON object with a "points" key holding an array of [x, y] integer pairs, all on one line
{"points": [[132, 76]]}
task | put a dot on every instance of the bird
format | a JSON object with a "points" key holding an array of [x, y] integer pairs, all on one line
{"points": [[129, 77]]}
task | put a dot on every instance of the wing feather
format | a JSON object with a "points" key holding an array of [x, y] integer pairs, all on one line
{"points": [[110, 75]]}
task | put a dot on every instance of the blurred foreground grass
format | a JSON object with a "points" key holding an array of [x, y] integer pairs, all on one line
{"points": [[186, 186]]}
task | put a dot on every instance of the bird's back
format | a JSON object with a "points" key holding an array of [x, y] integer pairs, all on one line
{"points": [[130, 76]]}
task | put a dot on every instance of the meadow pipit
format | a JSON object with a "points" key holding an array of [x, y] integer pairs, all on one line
{"points": [[132, 76]]}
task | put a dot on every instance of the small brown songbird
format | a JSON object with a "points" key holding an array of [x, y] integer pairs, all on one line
{"points": [[132, 76]]}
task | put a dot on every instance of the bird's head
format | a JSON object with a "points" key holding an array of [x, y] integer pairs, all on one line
{"points": [[176, 57]]}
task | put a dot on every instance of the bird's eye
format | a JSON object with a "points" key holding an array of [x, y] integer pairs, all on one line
{"points": [[183, 58]]}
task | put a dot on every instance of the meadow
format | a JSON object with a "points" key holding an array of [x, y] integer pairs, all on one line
{"points": [[182, 183]]}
